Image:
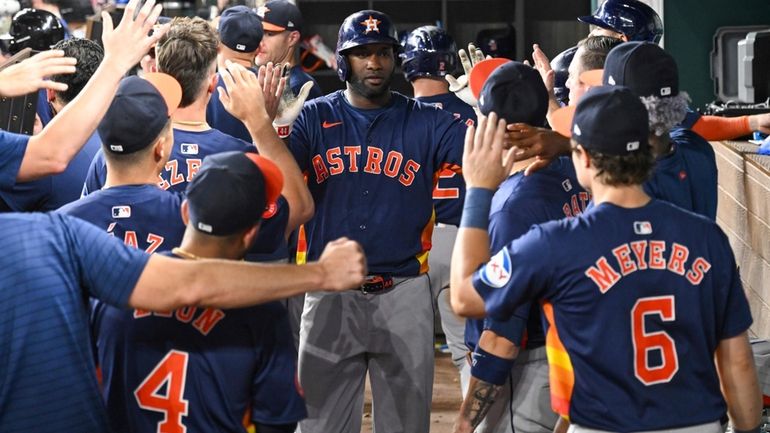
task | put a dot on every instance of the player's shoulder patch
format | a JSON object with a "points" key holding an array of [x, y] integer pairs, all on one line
{"points": [[497, 272]]}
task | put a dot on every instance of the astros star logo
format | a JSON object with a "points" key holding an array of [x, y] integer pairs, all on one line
{"points": [[371, 25]]}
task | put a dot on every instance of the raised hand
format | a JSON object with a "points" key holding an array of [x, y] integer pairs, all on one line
{"points": [[289, 109], [29, 75], [459, 85], [485, 161], [126, 44]]}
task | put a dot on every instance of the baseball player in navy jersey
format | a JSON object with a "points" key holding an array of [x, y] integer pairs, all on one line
{"points": [[54, 191], [282, 22], [369, 154], [517, 92], [131, 207], [215, 364], [429, 55], [643, 299], [188, 53]]}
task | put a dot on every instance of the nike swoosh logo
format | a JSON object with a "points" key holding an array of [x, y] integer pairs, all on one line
{"points": [[330, 125]]}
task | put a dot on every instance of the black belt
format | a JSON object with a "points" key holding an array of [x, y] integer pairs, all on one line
{"points": [[376, 284]]}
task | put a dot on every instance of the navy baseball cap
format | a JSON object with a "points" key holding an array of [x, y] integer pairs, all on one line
{"points": [[233, 191], [516, 93], [608, 119], [644, 67], [240, 29], [139, 112], [280, 15]]}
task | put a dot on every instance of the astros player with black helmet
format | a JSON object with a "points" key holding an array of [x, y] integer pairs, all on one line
{"points": [[32, 28], [371, 153], [630, 20], [430, 53], [643, 299]]}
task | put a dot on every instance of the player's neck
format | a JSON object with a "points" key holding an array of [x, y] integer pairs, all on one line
{"points": [[143, 174], [195, 246], [364, 103], [247, 61], [425, 87], [192, 117], [627, 196]]}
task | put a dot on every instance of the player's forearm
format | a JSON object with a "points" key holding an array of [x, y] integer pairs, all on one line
{"points": [[497, 345], [57, 144], [740, 385], [471, 249], [220, 283], [301, 205], [479, 399]]}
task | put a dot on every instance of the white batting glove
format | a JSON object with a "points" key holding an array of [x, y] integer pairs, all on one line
{"points": [[289, 108], [459, 85]]}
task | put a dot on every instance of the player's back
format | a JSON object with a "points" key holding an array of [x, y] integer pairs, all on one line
{"points": [[686, 177], [142, 216], [639, 298], [199, 369], [220, 119]]}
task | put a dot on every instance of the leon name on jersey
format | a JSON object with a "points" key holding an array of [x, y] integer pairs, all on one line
{"points": [[338, 159], [635, 256]]}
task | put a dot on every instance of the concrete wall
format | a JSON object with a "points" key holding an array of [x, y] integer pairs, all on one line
{"points": [[744, 214]]}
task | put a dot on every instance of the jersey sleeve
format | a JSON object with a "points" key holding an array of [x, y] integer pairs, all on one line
{"points": [[96, 174], [299, 140], [735, 315], [516, 274], [107, 268], [276, 397], [451, 138], [12, 149]]}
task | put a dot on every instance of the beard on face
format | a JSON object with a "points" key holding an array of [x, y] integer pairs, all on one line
{"points": [[359, 85]]}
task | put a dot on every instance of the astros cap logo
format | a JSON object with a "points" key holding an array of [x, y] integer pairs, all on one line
{"points": [[371, 25]]}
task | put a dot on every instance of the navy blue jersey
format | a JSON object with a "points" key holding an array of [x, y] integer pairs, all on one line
{"points": [[142, 216], [298, 77], [12, 149], [521, 202], [690, 118], [372, 174], [686, 177], [637, 302], [44, 111], [449, 194], [221, 120], [50, 264], [199, 369], [51, 192]]}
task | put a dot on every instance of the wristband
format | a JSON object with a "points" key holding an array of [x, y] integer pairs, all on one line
{"points": [[756, 429], [282, 130], [478, 201], [490, 368]]}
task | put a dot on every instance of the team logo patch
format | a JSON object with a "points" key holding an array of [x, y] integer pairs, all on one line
{"points": [[116, 148], [121, 211], [665, 91], [240, 47], [189, 148], [567, 185], [642, 227], [371, 25], [497, 271], [632, 146]]}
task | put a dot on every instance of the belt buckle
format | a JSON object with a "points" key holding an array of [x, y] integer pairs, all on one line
{"points": [[375, 284]]}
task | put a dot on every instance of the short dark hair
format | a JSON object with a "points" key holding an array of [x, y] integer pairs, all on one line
{"points": [[89, 56], [187, 52], [631, 169], [595, 50]]}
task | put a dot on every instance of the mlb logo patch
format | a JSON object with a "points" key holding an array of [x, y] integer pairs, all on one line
{"points": [[567, 185], [116, 148], [642, 227], [665, 91], [240, 47], [632, 146], [497, 271], [121, 211], [189, 148]]}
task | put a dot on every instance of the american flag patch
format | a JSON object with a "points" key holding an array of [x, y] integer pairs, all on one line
{"points": [[121, 211], [642, 227]]}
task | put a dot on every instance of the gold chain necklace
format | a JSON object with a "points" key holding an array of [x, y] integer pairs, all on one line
{"points": [[184, 254]]}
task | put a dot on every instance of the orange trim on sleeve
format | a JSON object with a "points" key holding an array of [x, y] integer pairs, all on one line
{"points": [[715, 128], [560, 372]]}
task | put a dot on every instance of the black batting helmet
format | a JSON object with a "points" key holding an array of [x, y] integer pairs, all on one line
{"points": [[33, 28]]}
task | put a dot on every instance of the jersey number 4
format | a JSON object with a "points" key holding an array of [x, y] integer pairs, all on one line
{"points": [[171, 371], [646, 342]]}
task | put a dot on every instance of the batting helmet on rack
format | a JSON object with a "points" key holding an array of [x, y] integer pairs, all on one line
{"points": [[632, 18], [560, 65], [429, 52], [33, 28], [363, 28]]}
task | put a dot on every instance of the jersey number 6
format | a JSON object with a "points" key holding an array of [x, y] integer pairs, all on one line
{"points": [[646, 342], [171, 371]]}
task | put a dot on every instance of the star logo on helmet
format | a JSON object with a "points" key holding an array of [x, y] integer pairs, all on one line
{"points": [[262, 10], [371, 25]]}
